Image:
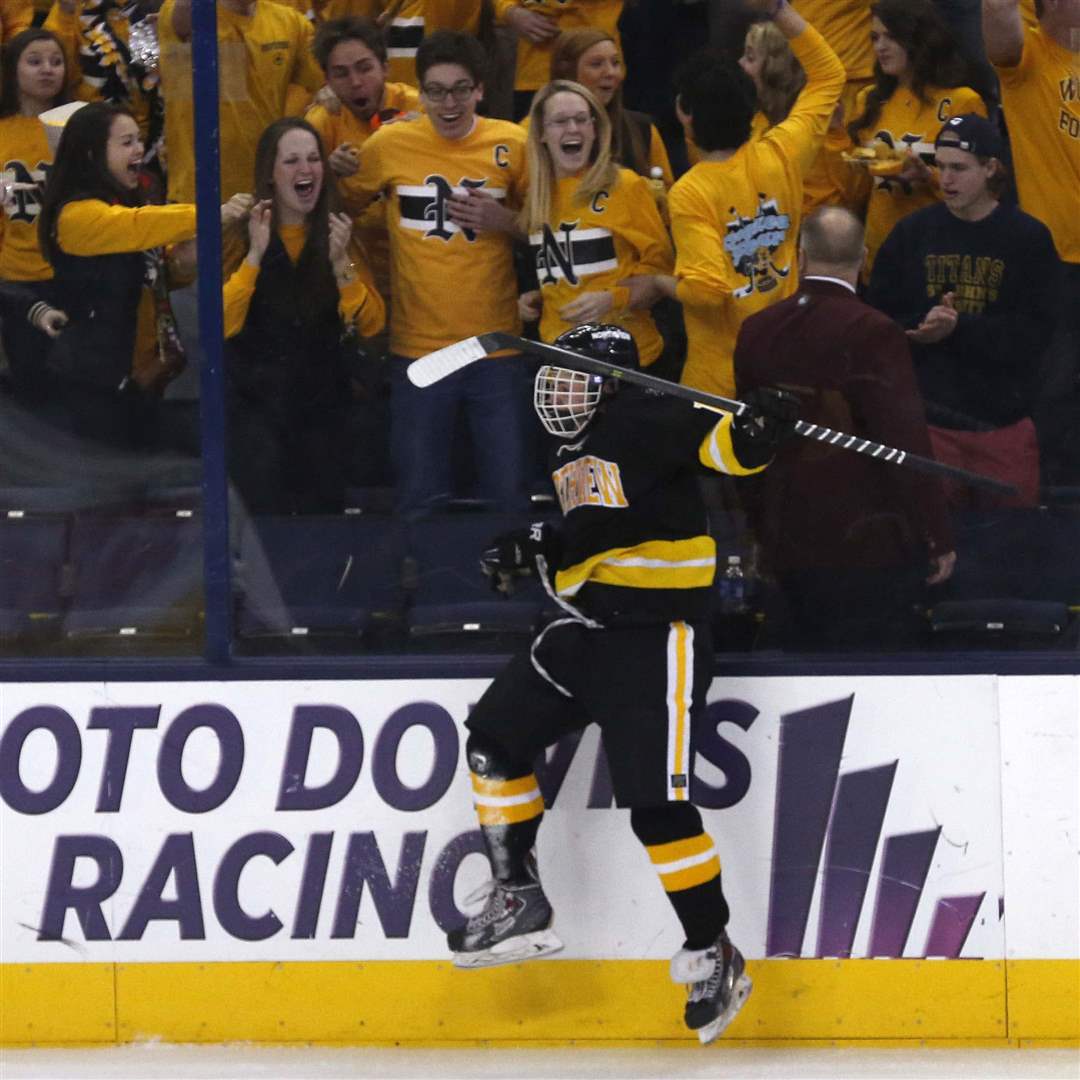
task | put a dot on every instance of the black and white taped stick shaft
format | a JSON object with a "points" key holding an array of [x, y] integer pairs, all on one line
{"points": [[437, 365]]}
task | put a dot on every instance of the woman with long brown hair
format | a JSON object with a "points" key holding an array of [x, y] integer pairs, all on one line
{"points": [[301, 291]]}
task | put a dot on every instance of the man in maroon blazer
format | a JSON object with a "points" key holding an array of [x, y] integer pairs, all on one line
{"points": [[853, 542]]}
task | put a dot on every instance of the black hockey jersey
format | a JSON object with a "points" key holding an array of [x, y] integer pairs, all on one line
{"points": [[635, 539]]}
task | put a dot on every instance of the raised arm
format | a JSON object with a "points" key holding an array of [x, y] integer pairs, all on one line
{"points": [[1003, 32]]}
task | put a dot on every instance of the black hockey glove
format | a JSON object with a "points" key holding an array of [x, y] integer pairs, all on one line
{"points": [[770, 421], [513, 555]]}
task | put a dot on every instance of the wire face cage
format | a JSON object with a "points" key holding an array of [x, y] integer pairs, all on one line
{"points": [[565, 399]]}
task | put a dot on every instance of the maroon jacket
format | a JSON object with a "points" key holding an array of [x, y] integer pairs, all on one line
{"points": [[817, 506]]}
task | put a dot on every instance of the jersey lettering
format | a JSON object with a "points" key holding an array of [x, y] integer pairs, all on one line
{"points": [[589, 481], [944, 109], [577, 253], [27, 204], [502, 156], [596, 205], [424, 207]]}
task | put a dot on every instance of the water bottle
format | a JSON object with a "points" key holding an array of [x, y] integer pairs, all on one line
{"points": [[733, 588]]}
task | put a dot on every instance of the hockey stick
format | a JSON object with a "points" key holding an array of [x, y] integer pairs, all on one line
{"points": [[438, 365]]}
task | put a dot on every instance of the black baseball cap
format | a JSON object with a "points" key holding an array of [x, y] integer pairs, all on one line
{"points": [[972, 133]]}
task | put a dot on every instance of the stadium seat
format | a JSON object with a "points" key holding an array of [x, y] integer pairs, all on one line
{"points": [[33, 554], [319, 575], [450, 595], [135, 577]]}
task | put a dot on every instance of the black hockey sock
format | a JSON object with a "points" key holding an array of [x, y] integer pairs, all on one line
{"points": [[683, 854]]}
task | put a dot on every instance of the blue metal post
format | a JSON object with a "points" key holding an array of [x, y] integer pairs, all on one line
{"points": [[218, 591]]}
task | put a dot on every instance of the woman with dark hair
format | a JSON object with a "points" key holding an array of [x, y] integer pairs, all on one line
{"points": [[918, 85], [591, 57], [108, 252], [293, 307], [34, 74], [597, 269]]}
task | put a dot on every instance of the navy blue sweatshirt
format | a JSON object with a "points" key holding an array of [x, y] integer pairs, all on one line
{"points": [[1005, 277]]}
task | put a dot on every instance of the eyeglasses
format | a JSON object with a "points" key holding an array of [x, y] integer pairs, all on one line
{"points": [[459, 91], [561, 122]]}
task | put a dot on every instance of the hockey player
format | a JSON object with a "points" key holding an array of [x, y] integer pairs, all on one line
{"points": [[631, 570]]}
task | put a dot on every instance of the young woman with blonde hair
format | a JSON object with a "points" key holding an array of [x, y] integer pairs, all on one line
{"points": [[594, 230]]}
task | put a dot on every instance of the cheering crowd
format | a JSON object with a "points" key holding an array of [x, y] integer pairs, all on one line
{"points": [[381, 200]]}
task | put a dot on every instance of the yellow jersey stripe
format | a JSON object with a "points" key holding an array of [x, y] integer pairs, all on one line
{"points": [[716, 451], [655, 564]]}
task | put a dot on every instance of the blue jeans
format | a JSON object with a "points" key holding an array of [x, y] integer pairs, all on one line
{"points": [[422, 425]]}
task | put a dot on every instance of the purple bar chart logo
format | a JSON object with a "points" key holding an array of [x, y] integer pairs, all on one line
{"points": [[820, 811]]}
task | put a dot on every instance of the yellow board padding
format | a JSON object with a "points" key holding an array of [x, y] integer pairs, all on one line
{"points": [[553, 1001], [1044, 999], [57, 1003]]}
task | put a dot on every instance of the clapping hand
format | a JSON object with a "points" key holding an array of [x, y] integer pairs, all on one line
{"points": [[939, 323], [340, 234], [259, 231]]}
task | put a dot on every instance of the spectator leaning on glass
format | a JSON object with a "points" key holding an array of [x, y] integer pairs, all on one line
{"points": [[852, 542], [735, 215], [594, 230], [918, 77], [33, 82], [453, 181], [108, 254], [301, 285], [974, 281]]}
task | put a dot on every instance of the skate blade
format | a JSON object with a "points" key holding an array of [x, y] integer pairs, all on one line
{"points": [[512, 951], [715, 1028]]}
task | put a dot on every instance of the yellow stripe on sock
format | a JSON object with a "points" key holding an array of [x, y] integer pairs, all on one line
{"points": [[509, 815], [502, 789], [677, 850], [691, 876]]}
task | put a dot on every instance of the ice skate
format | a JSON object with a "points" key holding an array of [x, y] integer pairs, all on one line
{"points": [[514, 925], [717, 985]]}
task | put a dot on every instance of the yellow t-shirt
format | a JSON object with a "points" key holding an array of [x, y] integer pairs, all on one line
{"points": [[24, 150], [590, 248], [259, 57], [534, 61], [845, 25], [403, 37], [1027, 12], [1041, 98], [344, 127], [905, 121], [445, 284], [736, 223]]}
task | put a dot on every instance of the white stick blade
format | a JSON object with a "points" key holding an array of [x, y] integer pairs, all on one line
{"points": [[437, 365]]}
